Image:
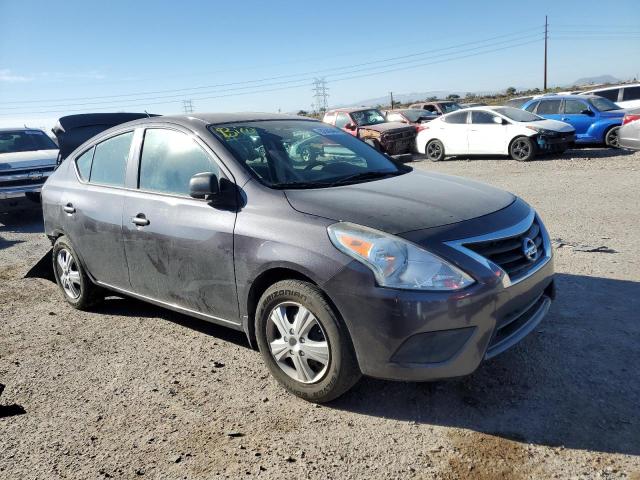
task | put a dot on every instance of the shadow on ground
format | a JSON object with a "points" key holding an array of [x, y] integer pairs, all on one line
{"points": [[573, 382], [22, 221]]}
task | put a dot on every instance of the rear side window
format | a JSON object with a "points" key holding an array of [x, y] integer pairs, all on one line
{"points": [[110, 160], [630, 93], [608, 94], [169, 160], [574, 106], [329, 118], [548, 107], [459, 117], [482, 117], [531, 107], [84, 164], [395, 117]]}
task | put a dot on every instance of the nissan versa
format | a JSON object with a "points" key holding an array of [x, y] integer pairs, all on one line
{"points": [[336, 266]]}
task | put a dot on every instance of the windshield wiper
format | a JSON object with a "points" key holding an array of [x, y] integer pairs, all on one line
{"points": [[365, 176], [301, 185]]}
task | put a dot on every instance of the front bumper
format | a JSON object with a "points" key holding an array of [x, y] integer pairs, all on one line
{"points": [[421, 336], [553, 143], [18, 193]]}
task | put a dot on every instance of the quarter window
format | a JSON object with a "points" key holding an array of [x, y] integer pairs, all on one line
{"points": [[609, 94], [84, 164], [459, 117], [574, 107], [169, 159], [548, 107], [395, 117], [531, 107], [110, 160], [630, 93]]}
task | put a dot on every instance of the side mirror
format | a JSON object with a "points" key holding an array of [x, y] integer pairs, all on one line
{"points": [[498, 120], [350, 126], [203, 185], [586, 111]]}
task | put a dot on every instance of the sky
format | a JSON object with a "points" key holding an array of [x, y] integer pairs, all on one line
{"points": [[82, 56]]}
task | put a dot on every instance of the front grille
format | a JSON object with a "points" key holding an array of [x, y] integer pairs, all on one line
{"points": [[26, 182], [509, 253], [23, 171], [407, 134]]}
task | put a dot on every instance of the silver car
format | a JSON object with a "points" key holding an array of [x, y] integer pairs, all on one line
{"points": [[629, 133]]}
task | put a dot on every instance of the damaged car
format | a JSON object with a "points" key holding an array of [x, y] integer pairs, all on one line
{"points": [[370, 125], [493, 131], [347, 266]]}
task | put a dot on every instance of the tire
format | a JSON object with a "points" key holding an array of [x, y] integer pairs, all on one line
{"points": [[71, 277], [434, 150], [316, 362], [611, 137], [522, 149]]}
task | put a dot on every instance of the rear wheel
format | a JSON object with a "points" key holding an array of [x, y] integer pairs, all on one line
{"points": [[435, 150], [611, 137], [77, 288], [305, 346], [522, 149]]}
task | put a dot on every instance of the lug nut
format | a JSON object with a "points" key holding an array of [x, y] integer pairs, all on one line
{"points": [[291, 352], [291, 331], [301, 340], [301, 353], [285, 339]]}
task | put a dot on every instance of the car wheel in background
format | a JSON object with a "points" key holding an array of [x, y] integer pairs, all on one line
{"points": [[522, 149], [612, 138], [434, 150], [304, 344], [77, 288]]}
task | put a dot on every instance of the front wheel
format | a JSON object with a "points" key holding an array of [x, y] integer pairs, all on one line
{"points": [[435, 150], [305, 346], [522, 149], [612, 138]]}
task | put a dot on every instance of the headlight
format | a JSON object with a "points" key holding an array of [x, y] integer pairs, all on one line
{"points": [[542, 131], [395, 262]]}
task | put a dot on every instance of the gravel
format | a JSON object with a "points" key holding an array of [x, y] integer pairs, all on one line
{"points": [[131, 390]]}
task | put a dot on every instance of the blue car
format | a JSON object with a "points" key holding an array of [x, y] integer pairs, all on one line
{"points": [[596, 119]]}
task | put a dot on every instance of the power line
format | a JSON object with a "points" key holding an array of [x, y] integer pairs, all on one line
{"points": [[311, 73], [320, 94]]}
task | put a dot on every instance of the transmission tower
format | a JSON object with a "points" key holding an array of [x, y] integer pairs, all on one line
{"points": [[187, 106], [320, 94]]}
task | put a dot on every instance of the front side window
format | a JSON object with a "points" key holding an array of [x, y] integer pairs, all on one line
{"points": [[450, 107], [574, 107], [549, 107], [459, 117], [25, 141], [479, 117], [631, 93], [110, 160], [303, 154], [518, 115], [367, 117], [169, 159], [342, 119]]}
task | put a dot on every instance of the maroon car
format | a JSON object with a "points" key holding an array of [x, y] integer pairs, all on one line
{"points": [[369, 125], [412, 116]]}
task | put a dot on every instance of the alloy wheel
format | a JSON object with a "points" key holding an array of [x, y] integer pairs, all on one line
{"points": [[612, 137], [434, 150], [297, 342], [521, 149], [68, 274]]}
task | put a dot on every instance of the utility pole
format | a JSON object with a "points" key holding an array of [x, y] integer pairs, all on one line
{"points": [[320, 94], [391, 95], [187, 106], [546, 37]]}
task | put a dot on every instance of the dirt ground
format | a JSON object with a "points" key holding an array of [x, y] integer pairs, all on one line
{"points": [[131, 390]]}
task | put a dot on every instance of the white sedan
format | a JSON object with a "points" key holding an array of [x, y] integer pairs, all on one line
{"points": [[493, 131]]}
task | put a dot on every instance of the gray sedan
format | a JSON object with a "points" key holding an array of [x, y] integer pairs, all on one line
{"points": [[334, 266], [629, 133]]}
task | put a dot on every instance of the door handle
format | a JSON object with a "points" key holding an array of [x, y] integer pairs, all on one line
{"points": [[140, 220], [69, 208]]}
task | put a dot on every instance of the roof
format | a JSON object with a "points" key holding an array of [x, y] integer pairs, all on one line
{"points": [[610, 87], [351, 109]]}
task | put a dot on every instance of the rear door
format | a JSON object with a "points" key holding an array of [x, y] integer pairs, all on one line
{"points": [[179, 249], [485, 135], [93, 208], [455, 132], [574, 113], [549, 108]]}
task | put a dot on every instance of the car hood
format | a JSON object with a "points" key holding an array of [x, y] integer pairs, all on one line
{"points": [[554, 125], [413, 201], [388, 126], [36, 158]]}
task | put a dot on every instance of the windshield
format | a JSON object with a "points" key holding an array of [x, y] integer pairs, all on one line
{"points": [[604, 104], [518, 115], [450, 107], [416, 115], [303, 154], [367, 117], [25, 141]]}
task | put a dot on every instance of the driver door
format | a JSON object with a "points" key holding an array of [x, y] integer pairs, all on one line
{"points": [[485, 135]]}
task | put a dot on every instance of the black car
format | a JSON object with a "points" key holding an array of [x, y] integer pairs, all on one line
{"points": [[334, 266]]}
